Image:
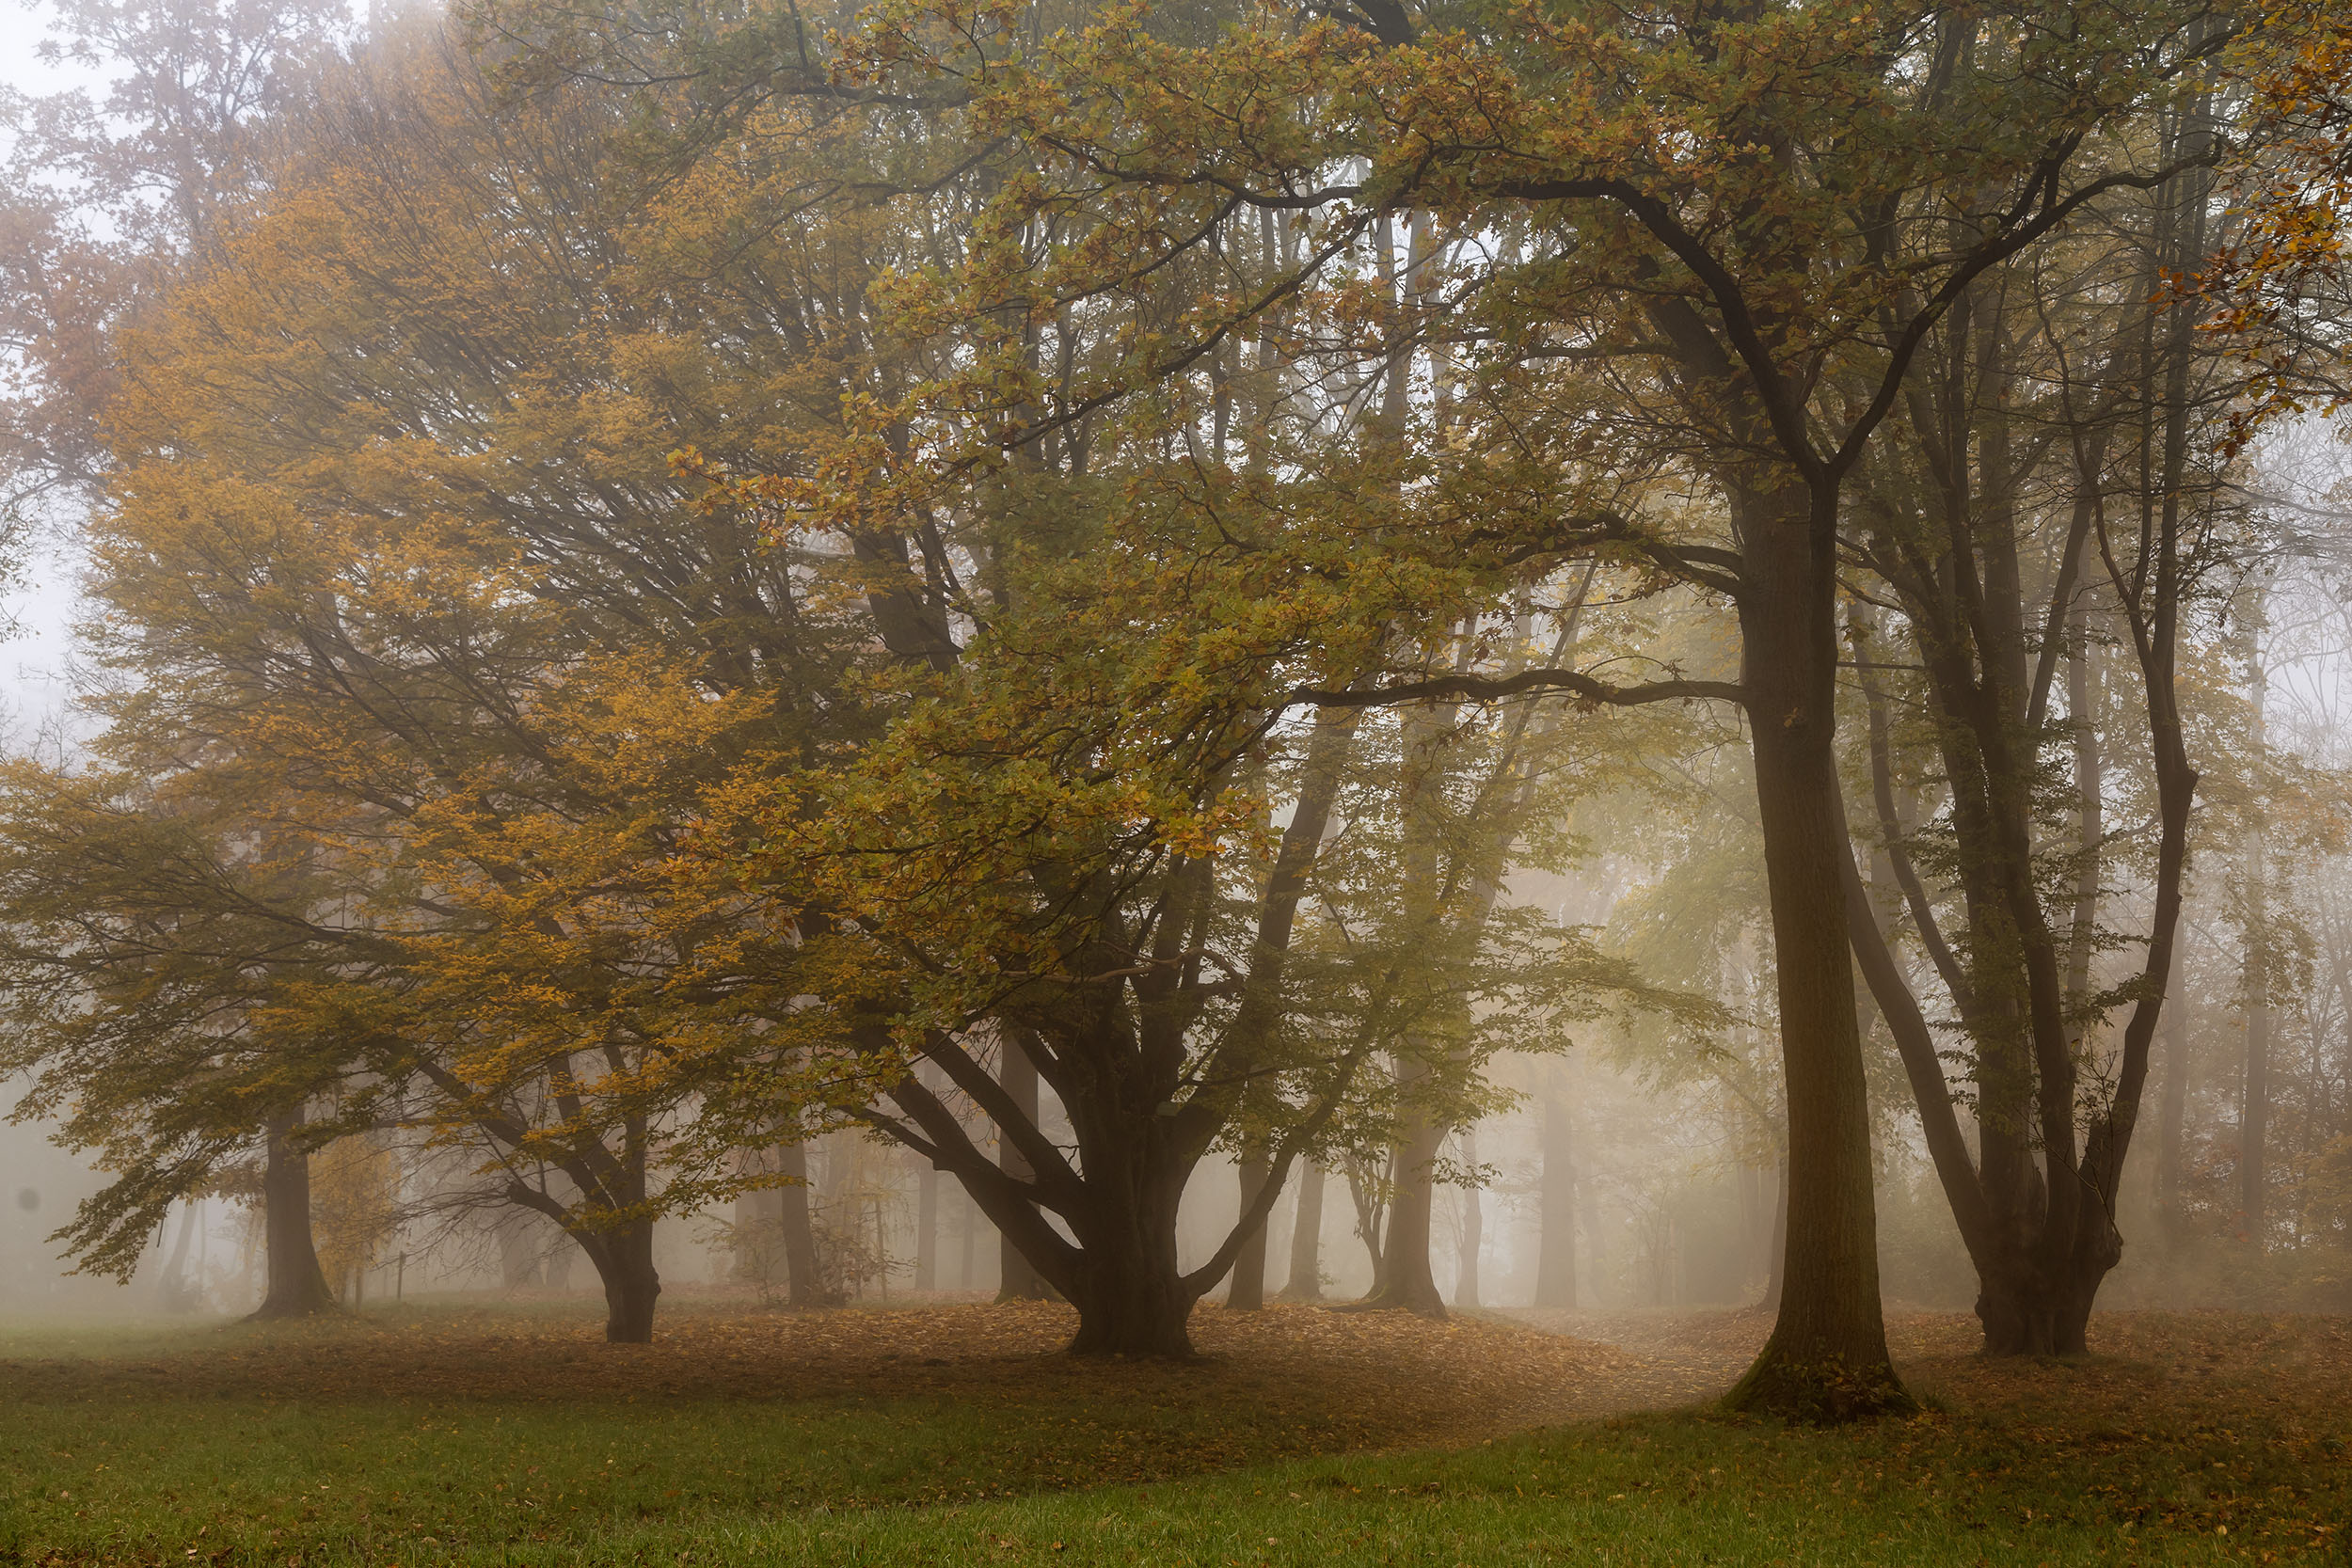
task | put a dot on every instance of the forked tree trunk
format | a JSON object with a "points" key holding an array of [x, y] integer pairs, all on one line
{"points": [[1555, 1260], [1248, 1291], [1405, 1281], [1827, 1357], [297, 1286], [1306, 1276]]}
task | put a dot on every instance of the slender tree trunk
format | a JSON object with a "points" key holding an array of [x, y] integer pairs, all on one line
{"points": [[2172, 1110], [1019, 1279], [1778, 1255], [518, 1251], [173, 1292], [926, 1229], [969, 1242], [297, 1286], [2255, 1118], [802, 1284], [1306, 1276], [1555, 1260], [1367, 1191], [1827, 1357], [1248, 1291], [1473, 1235]]}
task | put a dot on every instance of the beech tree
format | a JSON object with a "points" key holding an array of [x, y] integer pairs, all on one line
{"points": [[1742, 226], [432, 663]]}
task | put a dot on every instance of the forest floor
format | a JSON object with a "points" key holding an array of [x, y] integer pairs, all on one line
{"points": [[449, 1433]]}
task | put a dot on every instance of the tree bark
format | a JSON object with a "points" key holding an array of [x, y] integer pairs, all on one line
{"points": [[1306, 1276], [926, 1229], [1555, 1261], [174, 1293], [1473, 1235], [297, 1286], [2171, 1112], [803, 1285], [2255, 1115], [623, 1257], [1247, 1293], [968, 1243], [1406, 1282], [1827, 1357], [518, 1252], [1019, 1279]]}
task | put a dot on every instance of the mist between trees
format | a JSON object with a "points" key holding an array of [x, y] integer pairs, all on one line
{"points": [[1631, 661]]}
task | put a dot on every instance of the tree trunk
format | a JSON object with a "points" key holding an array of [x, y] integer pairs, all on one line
{"points": [[1019, 1279], [1473, 1235], [623, 1257], [969, 1241], [1248, 1291], [1777, 1259], [297, 1286], [1555, 1260], [1306, 1276], [2254, 1117], [518, 1251], [1406, 1282], [926, 1229], [2171, 1112], [1132, 1297], [1827, 1357], [173, 1291], [803, 1286]]}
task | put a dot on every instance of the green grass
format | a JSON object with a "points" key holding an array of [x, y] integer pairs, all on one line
{"points": [[2093, 1463]]}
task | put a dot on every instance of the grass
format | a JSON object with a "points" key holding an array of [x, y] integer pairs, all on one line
{"points": [[2214, 1440]]}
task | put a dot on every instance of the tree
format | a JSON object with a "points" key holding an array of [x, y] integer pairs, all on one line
{"points": [[431, 667], [1742, 232]]}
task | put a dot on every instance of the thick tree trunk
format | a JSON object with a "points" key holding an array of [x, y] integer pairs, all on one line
{"points": [[1133, 1299], [1555, 1260], [1777, 1259], [624, 1260], [297, 1286], [1306, 1276], [1019, 1280], [1826, 1358], [1406, 1282], [803, 1285], [1247, 1292]]}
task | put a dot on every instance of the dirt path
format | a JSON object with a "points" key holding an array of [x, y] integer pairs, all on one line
{"points": [[1664, 1359]]}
